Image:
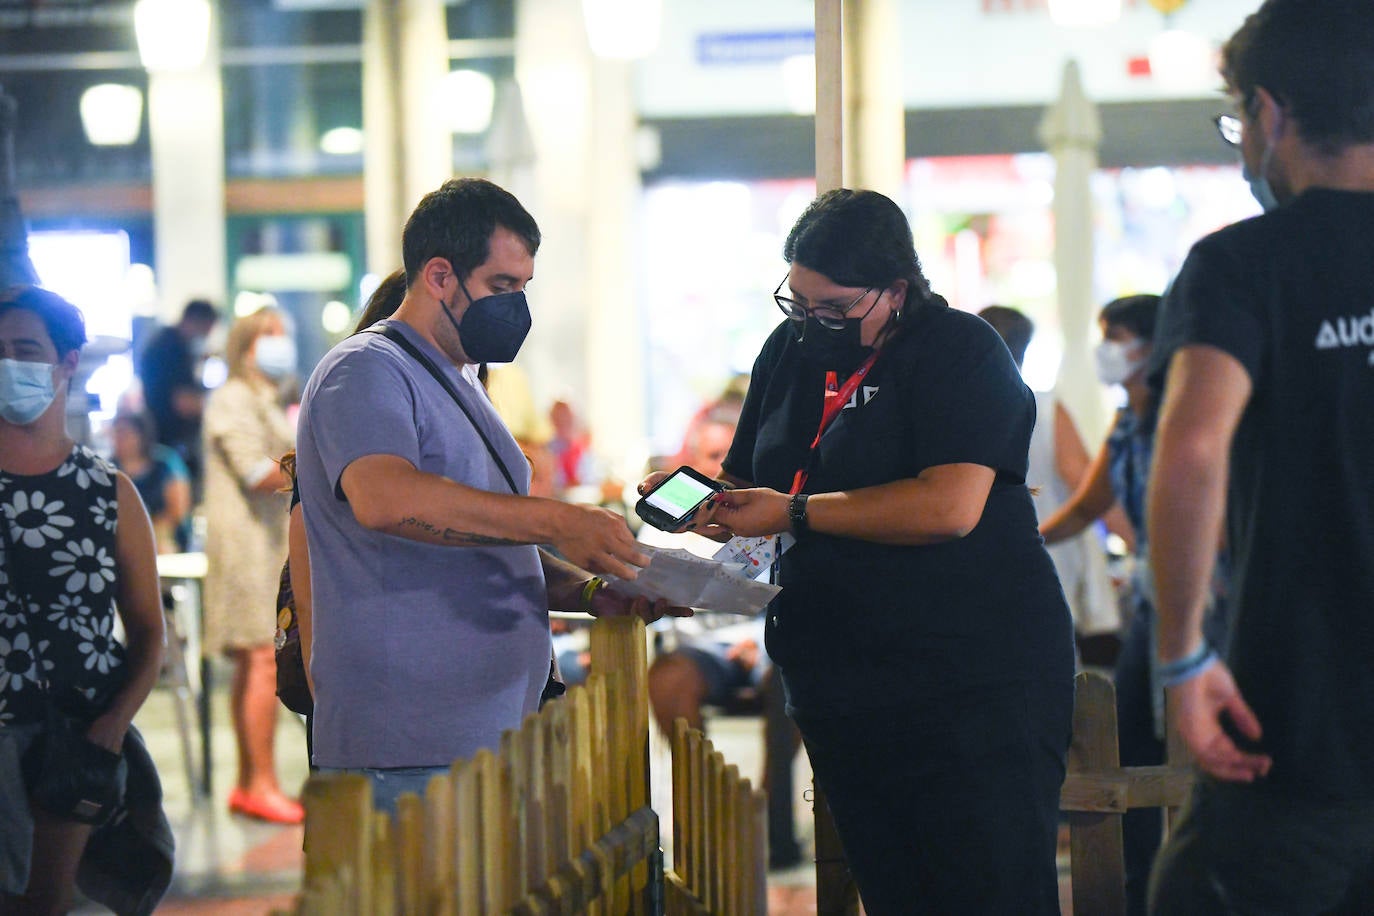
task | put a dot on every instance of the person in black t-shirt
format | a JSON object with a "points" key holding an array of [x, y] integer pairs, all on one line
{"points": [[921, 633], [1268, 419], [172, 390]]}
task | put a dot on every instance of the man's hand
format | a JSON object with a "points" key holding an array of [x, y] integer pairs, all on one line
{"points": [[607, 602], [1197, 705], [598, 540]]}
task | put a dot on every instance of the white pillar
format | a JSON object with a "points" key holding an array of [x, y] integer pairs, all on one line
{"points": [[1072, 131], [586, 343], [186, 135], [876, 148], [831, 84], [860, 115], [616, 342], [408, 149]]}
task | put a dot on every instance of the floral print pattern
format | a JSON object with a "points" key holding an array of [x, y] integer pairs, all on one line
{"points": [[85, 566], [105, 512], [57, 611], [87, 470], [67, 612], [35, 520], [97, 645]]}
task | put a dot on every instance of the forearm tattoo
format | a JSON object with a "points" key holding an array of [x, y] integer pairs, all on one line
{"points": [[469, 538]]}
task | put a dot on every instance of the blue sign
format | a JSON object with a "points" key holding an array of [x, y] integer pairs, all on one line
{"points": [[730, 48]]}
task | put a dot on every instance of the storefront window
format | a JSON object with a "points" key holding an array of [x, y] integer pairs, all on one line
{"points": [[984, 230]]}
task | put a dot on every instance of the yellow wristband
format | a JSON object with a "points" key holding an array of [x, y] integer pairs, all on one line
{"points": [[594, 585]]}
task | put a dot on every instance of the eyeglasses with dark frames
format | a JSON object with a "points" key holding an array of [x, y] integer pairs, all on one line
{"points": [[1229, 127], [826, 316]]}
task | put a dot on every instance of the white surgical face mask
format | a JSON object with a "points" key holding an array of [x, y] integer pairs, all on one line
{"points": [[275, 355], [26, 390], [1117, 361]]}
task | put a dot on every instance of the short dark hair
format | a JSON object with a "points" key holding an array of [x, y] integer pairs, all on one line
{"points": [[858, 238], [1014, 327], [456, 221], [1134, 313], [1314, 57], [200, 310], [63, 321]]}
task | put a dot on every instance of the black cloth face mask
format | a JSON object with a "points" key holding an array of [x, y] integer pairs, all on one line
{"points": [[838, 348], [493, 327]]}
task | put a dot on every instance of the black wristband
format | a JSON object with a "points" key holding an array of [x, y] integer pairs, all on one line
{"points": [[796, 515]]}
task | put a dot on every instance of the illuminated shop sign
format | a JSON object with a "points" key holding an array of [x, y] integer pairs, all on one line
{"points": [[730, 48]]}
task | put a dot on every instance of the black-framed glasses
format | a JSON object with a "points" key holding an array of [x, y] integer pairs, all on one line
{"points": [[1229, 127], [826, 316]]}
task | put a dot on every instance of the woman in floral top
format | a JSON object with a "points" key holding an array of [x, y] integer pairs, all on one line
{"points": [[78, 549]]}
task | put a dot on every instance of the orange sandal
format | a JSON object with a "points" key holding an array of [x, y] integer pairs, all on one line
{"points": [[275, 809]]}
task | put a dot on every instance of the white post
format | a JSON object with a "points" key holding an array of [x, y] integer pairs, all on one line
{"points": [[586, 341], [1072, 131], [875, 142], [186, 136], [830, 90], [408, 149]]}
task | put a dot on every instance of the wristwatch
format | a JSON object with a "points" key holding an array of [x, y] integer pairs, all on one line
{"points": [[796, 515]]}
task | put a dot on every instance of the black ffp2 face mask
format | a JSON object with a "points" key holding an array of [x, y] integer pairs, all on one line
{"points": [[835, 347], [493, 327]]}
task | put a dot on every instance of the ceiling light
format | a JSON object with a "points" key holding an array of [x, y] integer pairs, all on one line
{"points": [[111, 114], [342, 141], [172, 34], [622, 29], [468, 97]]}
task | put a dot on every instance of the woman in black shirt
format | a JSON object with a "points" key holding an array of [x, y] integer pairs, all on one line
{"points": [[921, 632]]}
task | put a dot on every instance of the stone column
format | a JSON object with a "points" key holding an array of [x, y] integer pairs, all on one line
{"points": [[408, 148], [186, 135], [860, 115], [1071, 130], [875, 147], [587, 341]]}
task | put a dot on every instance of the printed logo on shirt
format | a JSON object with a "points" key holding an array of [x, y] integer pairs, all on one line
{"points": [[1347, 331], [868, 393]]}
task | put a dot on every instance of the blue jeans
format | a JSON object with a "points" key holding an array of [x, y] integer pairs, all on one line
{"points": [[388, 783]]}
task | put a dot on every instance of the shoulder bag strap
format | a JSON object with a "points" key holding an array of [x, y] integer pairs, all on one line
{"points": [[400, 340]]}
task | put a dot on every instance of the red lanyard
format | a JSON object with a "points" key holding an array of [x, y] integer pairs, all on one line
{"points": [[836, 397]]}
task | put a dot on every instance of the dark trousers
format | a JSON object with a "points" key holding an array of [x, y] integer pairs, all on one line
{"points": [[950, 804], [1246, 849], [1141, 828], [779, 735]]}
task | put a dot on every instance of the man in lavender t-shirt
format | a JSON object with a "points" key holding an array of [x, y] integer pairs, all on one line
{"points": [[430, 598]]}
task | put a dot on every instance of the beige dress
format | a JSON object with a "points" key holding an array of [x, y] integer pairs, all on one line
{"points": [[245, 431]]}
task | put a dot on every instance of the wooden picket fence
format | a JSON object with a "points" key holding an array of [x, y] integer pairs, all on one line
{"points": [[557, 821], [720, 833], [1097, 792]]}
